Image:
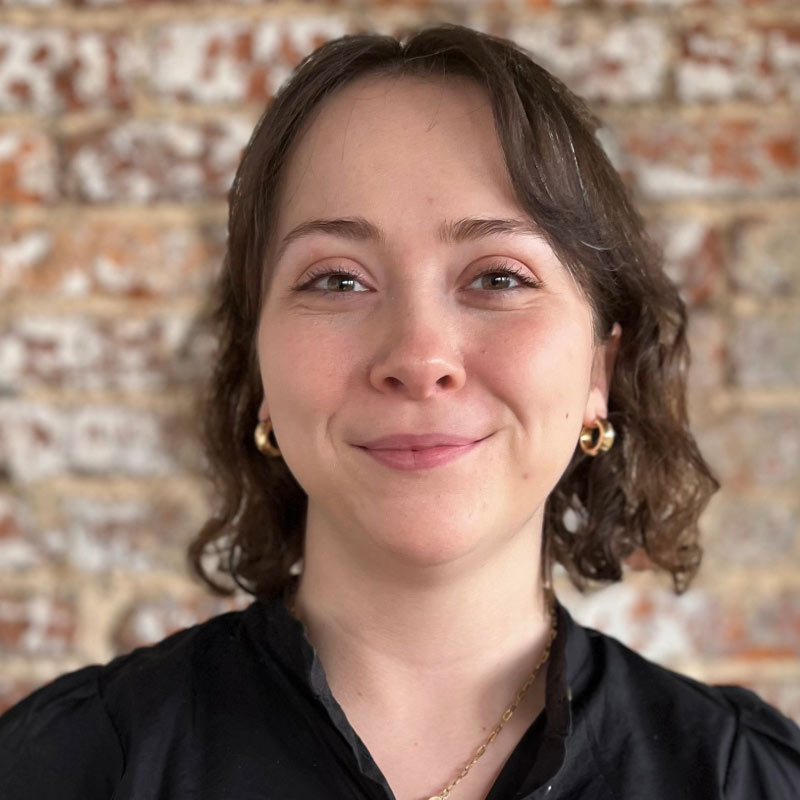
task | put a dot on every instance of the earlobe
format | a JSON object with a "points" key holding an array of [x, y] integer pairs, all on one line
{"points": [[263, 410]]}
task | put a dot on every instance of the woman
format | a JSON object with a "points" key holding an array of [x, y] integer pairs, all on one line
{"points": [[442, 317]]}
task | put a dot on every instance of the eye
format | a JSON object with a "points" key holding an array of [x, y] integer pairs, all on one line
{"points": [[342, 281], [505, 273], [340, 278]]}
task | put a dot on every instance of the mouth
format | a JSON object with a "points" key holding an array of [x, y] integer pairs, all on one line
{"points": [[417, 457], [419, 441]]}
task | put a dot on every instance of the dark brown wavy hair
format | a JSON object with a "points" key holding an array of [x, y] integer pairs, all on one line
{"points": [[643, 496]]}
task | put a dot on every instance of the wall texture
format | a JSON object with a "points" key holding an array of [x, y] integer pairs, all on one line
{"points": [[120, 126]]}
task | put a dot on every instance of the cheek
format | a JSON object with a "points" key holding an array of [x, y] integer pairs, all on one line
{"points": [[544, 361], [301, 367]]}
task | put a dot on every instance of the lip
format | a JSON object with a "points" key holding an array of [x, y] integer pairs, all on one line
{"points": [[414, 455], [418, 441]]}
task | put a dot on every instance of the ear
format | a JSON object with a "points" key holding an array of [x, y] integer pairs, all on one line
{"points": [[605, 356], [263, 410]]}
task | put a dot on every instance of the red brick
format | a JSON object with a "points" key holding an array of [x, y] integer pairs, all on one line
{"points": [[708, 347], [38, 441], [764, 258], [34, 3], [234, 61], [745, 530], [22, 251], [752, 448], [90, 353], [679, 4], [226, 61], [693, 256], [41, 624], [129, 259], [523, 6], [140, 161], [150, 621], [703, 623], [20, 548], [28, 167], [671, 157], [759, 626], [498, 5], [140, 3], [737, 58], [50, 70], [653, 621], [129, 534], [617, 61], [765, 350]]}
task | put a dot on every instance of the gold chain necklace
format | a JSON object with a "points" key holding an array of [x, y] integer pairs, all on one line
{"points": [[506, 715]]}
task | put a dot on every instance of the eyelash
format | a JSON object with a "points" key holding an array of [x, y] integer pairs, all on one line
{"points": [[527, 281]]}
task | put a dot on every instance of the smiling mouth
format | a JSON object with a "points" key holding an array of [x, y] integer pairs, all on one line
{"points": [[419, 441], [416, 458]]}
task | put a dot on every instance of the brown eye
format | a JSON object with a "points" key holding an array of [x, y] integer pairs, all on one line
{"points": [[331, 282], [338, 281], [496, 280], [501, 277]]}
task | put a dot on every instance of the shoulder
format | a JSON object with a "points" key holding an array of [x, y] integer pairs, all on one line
{"points": [[166, 661], [142, 689], [71, 737], [749, 748], [60, 742], [765, 755], [636, 679]]}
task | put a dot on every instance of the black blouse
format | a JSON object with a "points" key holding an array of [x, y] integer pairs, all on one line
{"points": [[238, 708]]}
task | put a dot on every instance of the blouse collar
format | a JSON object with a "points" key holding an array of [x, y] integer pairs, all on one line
{"points": [[568, 671]]}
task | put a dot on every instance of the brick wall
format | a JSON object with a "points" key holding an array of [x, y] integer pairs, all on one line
{"points": [[120, 126]]}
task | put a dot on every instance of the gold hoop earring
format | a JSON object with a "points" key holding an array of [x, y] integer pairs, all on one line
{"points": [[261, 435], [602, 442]]}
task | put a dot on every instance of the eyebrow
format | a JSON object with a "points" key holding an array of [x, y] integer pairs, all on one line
{"points": [[362, 230]]}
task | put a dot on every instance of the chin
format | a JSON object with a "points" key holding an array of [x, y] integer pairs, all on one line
{"points": [[428, 544]]}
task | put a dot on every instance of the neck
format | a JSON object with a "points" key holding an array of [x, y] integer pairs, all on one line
{"points": [[374, 623]]}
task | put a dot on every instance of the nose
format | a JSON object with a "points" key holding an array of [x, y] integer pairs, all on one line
{"points": [[418, 354]]}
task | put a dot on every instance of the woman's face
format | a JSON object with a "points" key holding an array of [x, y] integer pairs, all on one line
{"points": [[407, 317]]}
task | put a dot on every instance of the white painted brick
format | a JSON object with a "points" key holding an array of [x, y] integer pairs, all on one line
{"points": [[655, 622], [47, 70], [224, 61], [41, 442], [621, 61]]}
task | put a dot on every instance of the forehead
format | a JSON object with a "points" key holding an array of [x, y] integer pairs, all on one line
{"points": [[381, 145]]}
